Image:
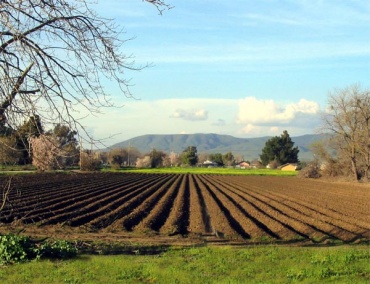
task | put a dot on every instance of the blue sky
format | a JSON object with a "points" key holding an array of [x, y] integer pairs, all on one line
{"points": [[243, 68]]}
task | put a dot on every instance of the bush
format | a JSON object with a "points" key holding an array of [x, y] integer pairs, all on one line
{"points": [[57, 249], [15, 248], [89, 163], [274, 164], [312, 170]]}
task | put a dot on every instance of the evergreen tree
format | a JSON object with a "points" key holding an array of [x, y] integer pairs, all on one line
{"points": [[279, 149]]}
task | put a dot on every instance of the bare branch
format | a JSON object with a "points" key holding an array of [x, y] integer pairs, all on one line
{"points": [[160, 5], [58, 56]]}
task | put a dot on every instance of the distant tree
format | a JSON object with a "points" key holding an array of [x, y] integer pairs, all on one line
{"points": [[116, 157], [256, 163], [117, 161], [217, 158], [202, 157], [9, 152], [68, 143], [228, 159], [29, 129], [47, 153], [55, 149], [104, 157], [90, 161], [171, 160], [280, 149], [189, 156], [238, 158], [64, 134], [144, 162], [174, 158], [156, 158]]}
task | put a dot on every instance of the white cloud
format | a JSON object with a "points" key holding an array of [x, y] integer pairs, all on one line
{"points": [[249, 117], [192, 114], [267, 112], [268, 118]]}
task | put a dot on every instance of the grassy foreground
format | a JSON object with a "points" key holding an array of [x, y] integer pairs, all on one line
{"points": [[255, 264]]}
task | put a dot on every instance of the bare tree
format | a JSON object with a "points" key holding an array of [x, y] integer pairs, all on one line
{"points": [[144, 162], [54, 56], [47, 152], [348, 119]]}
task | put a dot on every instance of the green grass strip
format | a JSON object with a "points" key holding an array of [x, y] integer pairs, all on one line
{"points": [[254, 264], [217, 171]]}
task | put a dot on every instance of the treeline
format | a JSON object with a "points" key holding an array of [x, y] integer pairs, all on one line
{"points": [[130, 156], [58, 148]]}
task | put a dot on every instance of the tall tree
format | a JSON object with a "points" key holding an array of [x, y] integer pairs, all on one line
{"points": [[65, 135], [280, 150], [189, 156], [29, 129], [53, 55], [67, 141], [157, 158], [348, 119]]}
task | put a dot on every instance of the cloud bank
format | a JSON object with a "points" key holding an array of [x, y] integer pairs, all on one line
{"points": [[248, 117]]}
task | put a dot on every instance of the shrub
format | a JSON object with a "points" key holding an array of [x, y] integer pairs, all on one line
{"points": [[274, 164], [57, 249], [15, 248], [88, 162], [312, 170]]}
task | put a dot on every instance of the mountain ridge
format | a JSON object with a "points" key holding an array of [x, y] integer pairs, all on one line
{"points": [[249, 148]]}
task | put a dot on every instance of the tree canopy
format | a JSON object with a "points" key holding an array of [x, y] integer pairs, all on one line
{"points": [[279, 149], [189, 156]]}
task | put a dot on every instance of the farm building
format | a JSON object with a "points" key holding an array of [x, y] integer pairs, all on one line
{"points": [[288, 167], [208, 163], [244, 165]]}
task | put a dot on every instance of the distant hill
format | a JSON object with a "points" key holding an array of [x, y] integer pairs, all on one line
{"points": [[249, 148]]}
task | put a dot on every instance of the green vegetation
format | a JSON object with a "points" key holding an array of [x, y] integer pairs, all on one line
{"points": [[254, 264], [189, 156], [217, 171], [16, 248], [279, 151], [16, 168]]}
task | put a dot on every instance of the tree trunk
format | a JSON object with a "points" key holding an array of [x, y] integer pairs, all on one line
{"points": [[355, 171]]}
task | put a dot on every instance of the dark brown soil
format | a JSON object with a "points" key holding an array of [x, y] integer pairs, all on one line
{"points": [[187, 209]]}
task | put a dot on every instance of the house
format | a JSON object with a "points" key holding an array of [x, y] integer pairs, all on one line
{"points": [[288, 167], [244, 165], [209, 164]]}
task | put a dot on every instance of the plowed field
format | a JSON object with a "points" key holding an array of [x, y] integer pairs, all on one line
{"points": [[212, 208]]}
